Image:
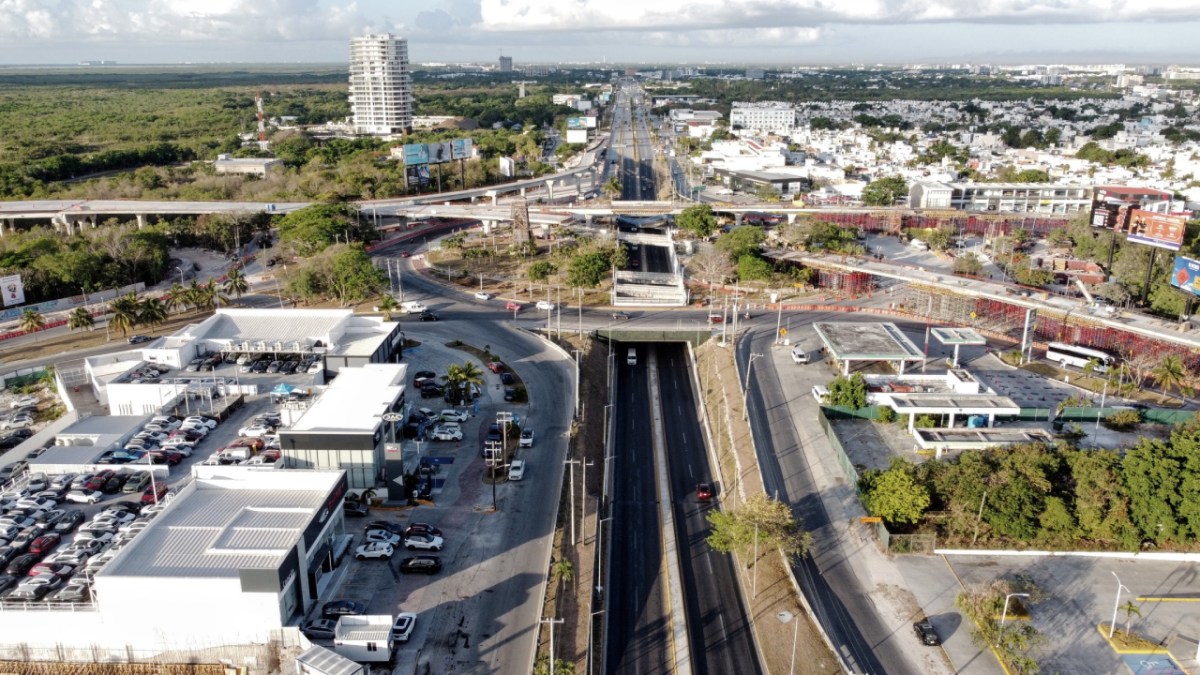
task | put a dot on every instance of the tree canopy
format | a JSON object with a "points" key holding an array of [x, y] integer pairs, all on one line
{"points": [[885, 191], [698, 220]]}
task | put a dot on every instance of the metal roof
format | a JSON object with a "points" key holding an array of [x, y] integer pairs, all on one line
{"points": [[857, 341], [329, 662], [958, 404], [355, 400], [957, 336], [226, 524]]}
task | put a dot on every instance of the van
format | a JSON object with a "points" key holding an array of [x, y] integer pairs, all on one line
{"points": [[919, 245], [412, 307], [799, 354], [820, 393], [631, 359]]}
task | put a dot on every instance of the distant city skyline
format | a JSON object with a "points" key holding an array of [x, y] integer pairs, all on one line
{"points": [[616, 31]]}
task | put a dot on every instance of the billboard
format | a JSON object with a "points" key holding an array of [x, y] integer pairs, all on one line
{"points": [[577, 135], [460, 148], [576, 123], [1156, 229], [508, 168], [417, 174], [1186, 276], [14, 290], [416, 153], [439, 152]]}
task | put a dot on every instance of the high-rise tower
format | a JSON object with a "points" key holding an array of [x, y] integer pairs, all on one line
{"points": [[380, 85]]}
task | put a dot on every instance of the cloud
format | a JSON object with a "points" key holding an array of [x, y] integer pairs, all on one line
{"points": [[688, 15], [181, 20]]}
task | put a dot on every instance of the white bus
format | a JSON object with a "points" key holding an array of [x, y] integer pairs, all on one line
{"points": [[1079, 356]]}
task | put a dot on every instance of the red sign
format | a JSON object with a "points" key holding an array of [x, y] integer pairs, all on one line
{"points": [[1157, 229]]}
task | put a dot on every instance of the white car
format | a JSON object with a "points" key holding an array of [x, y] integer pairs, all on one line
{"points": [[447, 433], [194, 428], [382, 537], [166, 421], [196, 420], [255, 431], [75, 557], [24, 401], [114, 518], [516, 470], [482, 295], [799, 355], [84, 496], [427, 542], [18, 422], [452, 415], [374, 549], [526, 438], [182, 447], [403, 627], [545, 305]]}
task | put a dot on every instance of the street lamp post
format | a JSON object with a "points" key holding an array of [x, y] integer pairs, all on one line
{"points": [[785, 617], [746, 388], [1116, 604], [577, 375], [1009, 596]]}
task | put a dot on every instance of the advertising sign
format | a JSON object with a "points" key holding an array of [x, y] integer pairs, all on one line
{"points": [[460, 148], [577, 135], [439, 152], [417, 175], [1186, 276], [590, 122], [508, 168], [1156, 229], [14, 290], [416, 153], [576, 123]]}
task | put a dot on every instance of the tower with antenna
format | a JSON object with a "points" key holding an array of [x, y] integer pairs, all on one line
{"points": [[263, 143]]}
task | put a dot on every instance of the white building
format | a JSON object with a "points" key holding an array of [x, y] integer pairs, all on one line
{"points": [[1001, 197], [252, 166], [381, 95], [764, 117]]}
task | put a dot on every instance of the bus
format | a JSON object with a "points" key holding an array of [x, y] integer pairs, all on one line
{"points": [[1079, 356]]}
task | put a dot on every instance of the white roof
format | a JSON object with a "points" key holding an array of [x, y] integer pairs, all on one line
{"points": [[355, 400], [364, 628], [284, 325], [227, 521]]}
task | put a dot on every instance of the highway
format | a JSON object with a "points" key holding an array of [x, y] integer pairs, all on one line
{"points": [[719, 631], [638, 612]]}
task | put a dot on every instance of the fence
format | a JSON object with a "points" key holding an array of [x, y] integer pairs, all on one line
{"points": [[839, 412], [839, 452], [20, 378], [1089, 414]]}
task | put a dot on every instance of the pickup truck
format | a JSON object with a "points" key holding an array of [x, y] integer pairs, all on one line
{"points": [[412, 307]]}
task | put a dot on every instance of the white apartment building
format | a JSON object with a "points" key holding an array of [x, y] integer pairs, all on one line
{"points": [[381, 99], [773, 117], [1001, 197]]}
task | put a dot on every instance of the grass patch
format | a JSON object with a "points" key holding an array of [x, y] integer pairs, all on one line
{"points": [[1124, 641]]}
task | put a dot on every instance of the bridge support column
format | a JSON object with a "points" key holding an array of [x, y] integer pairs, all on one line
{"points": [[522, 192], [587, 219], [737, 220], [791, 218], [550, 189], [492, 194], [488, 225], [141, 220]]}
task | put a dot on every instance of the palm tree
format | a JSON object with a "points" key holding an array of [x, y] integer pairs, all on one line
{"points": [[1131, 610], [80, 318], [194, 295], [151, 312], [124, 313], [612, 188], [32, 321], [563, 570], [236, 284], [387, 304], [176, 298], [1171, 374]]}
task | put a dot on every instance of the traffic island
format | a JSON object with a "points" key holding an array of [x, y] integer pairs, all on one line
{"points": [[1139, 654]]}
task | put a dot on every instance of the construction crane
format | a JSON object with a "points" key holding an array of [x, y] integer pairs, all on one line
{"points": [[521, 84], [263, 143]]}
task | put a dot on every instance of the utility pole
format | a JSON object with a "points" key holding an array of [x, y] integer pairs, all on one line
{"points": [[571, 468], [552, 622], [746, 388]]}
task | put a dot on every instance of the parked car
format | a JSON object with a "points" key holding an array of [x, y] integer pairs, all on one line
{"points": [[355, 509], [319, 629], [446, 432], [375, 549], [20, 565], [421, 564], [335, 608], [495, 366], [44, 544], [382, 536], [136, 483], [926, 633], [70, 521], [403, 627], [155, 494], [76, 590], [426, 542], [422, 376], [46, 569], [255, 430], [36, 588], [21, 402], [394, 528], [452, 415]]}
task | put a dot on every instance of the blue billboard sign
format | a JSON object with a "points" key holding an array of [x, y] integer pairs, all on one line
{"points": [[460, 148], [1186, 275], [416, 153]]}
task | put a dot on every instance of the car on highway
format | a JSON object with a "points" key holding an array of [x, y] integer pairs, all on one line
{"points": [[425, 542], [526, 438], [482, 295], [516, 470], [512, 306], [319, 629], [403, 627], [447, 432], [704, 492], [421, 564], [428, 316], [619, 316], [926, 634], [335, 608], [716, 318], [139, 339], [377, 550], [545, 305]]}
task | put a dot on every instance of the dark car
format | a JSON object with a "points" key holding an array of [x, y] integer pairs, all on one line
{"points": [[507, 378], [288, 367], [336, 608], [112, 486], [70, 521], [422, 376], [421, 564], [431, 390], [421, 528], [9, 442], [926, 633], [355, 509], [260, 366], [319, 629], [619, 315], [8, 582], [510, 394], [7, 553], [428, 316], [20, 565], [139, 339], [704, 492], [394, 528]]}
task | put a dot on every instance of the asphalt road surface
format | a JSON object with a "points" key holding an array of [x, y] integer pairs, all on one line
{"points": [[718, 629], [638, 616]]}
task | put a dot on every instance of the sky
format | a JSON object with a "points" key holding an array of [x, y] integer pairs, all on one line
{"points": [[615, 31]]}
